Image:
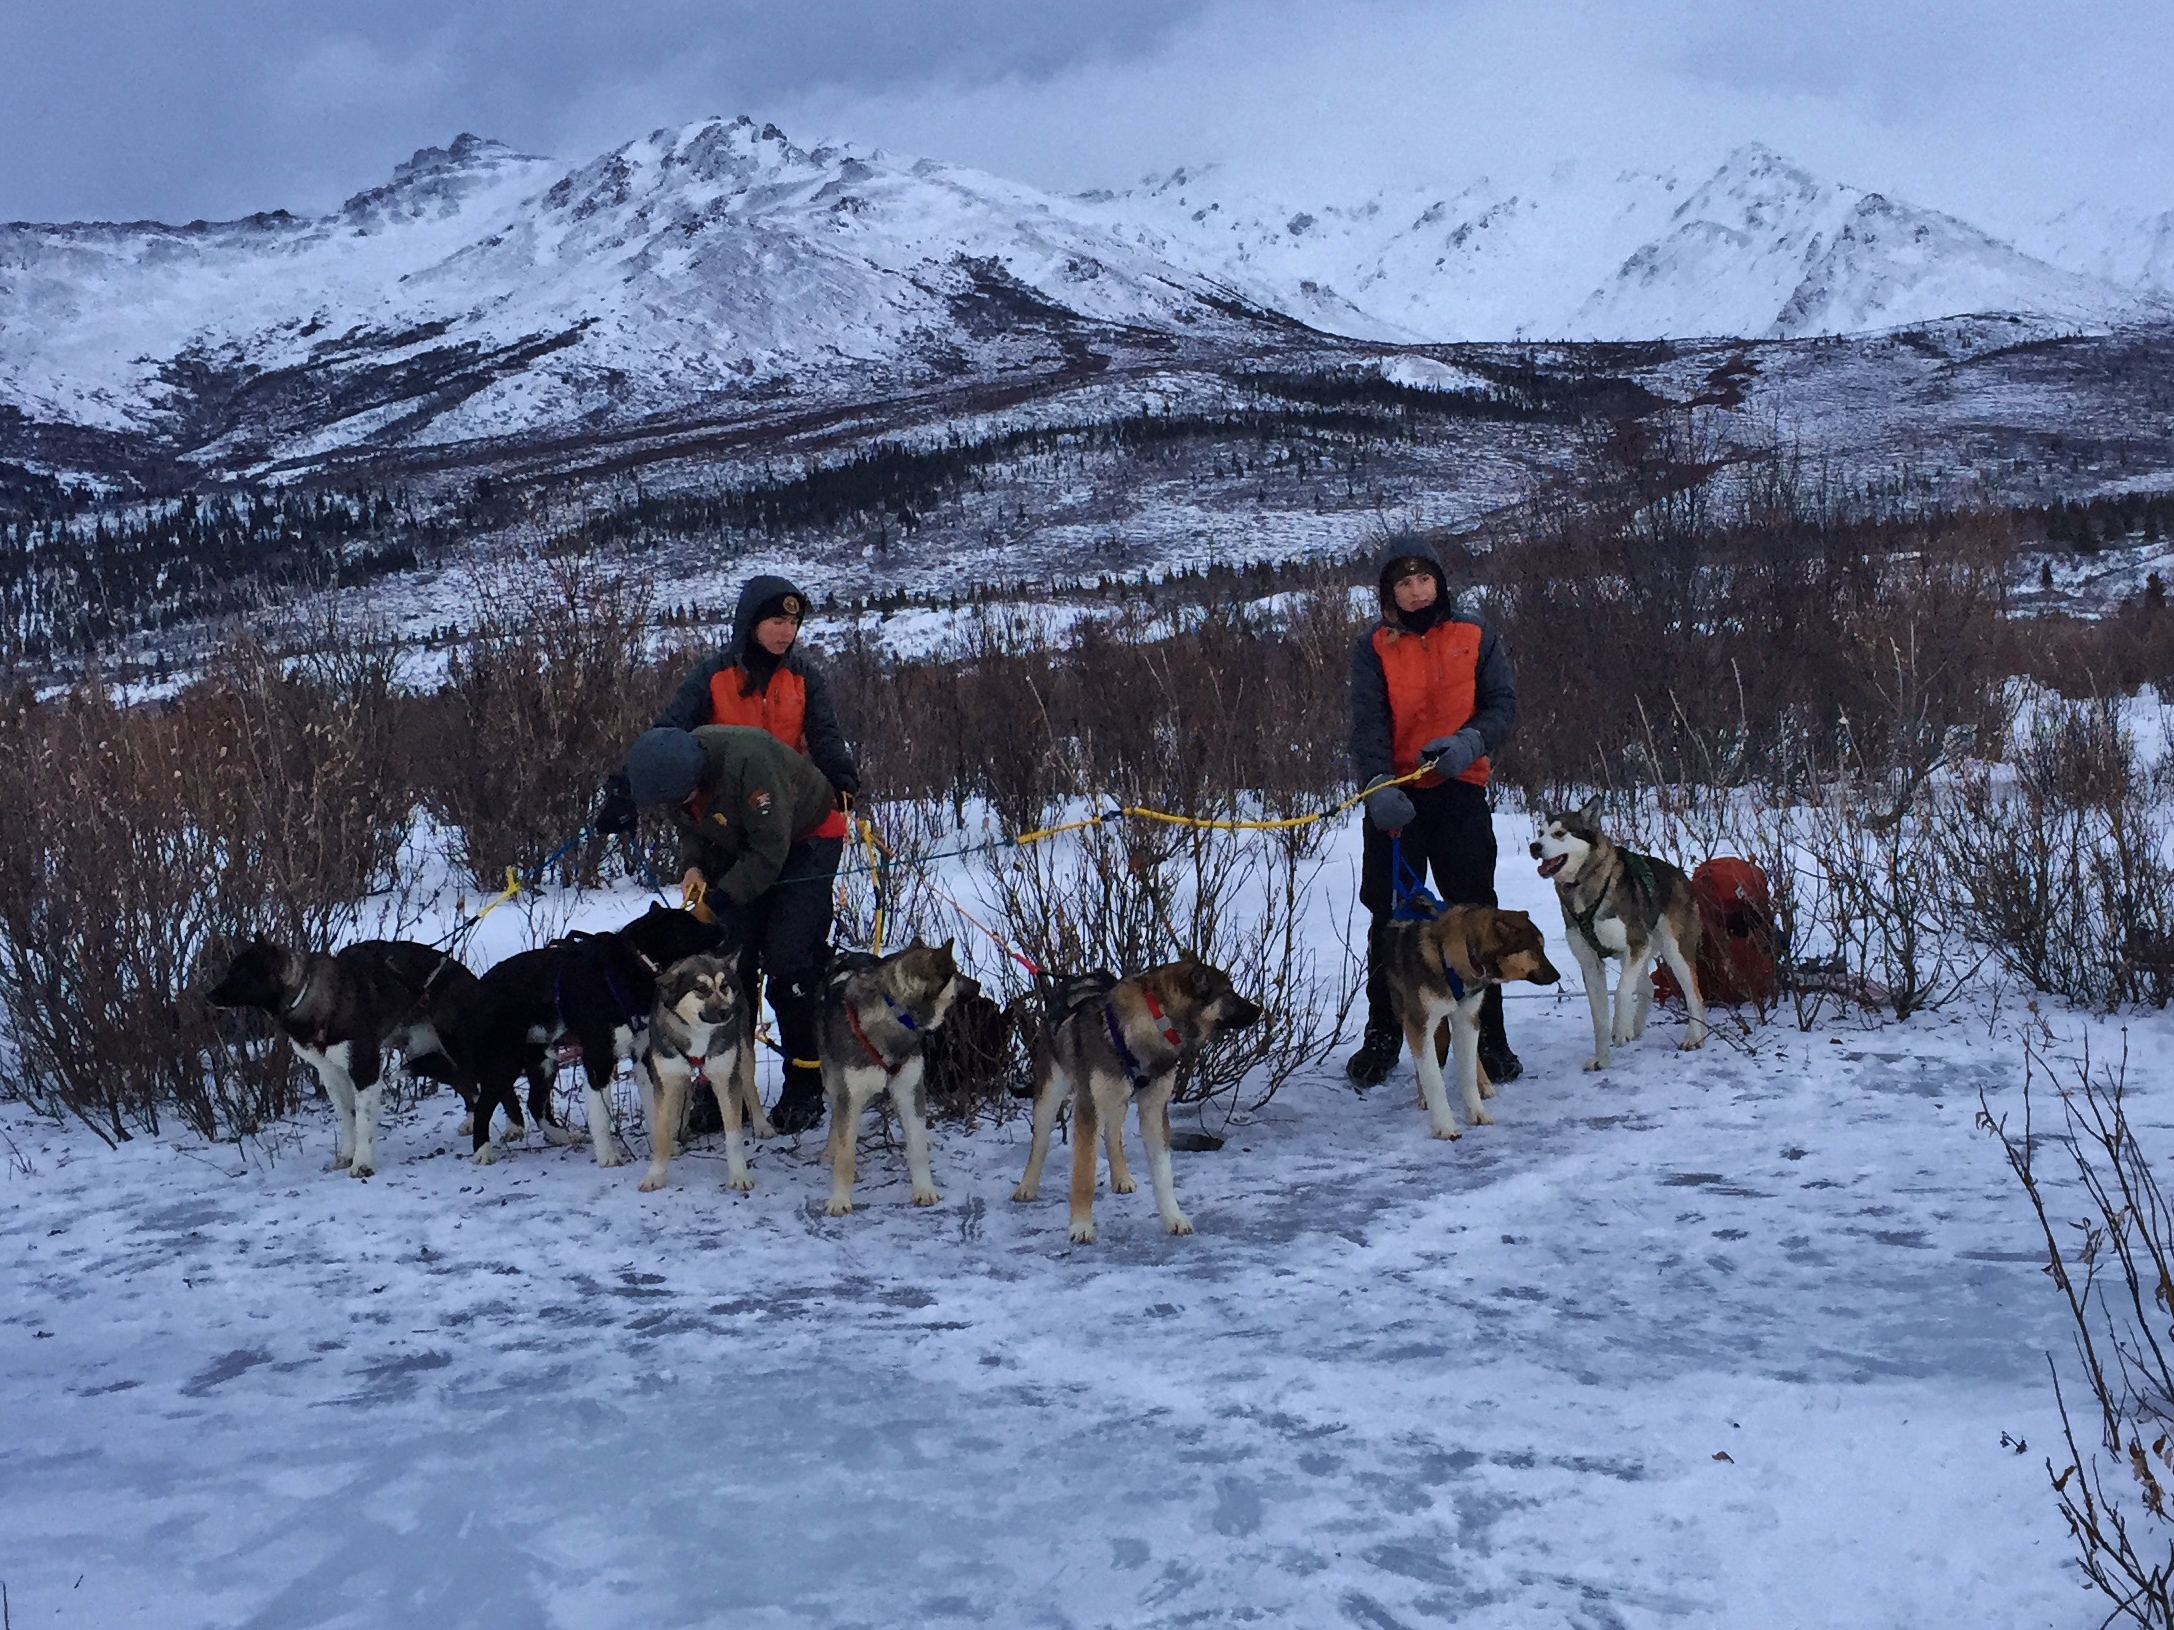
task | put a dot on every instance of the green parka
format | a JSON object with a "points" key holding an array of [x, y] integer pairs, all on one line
{"points": [[756, 796]]}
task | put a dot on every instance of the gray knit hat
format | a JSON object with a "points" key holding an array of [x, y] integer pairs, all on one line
{"points": [[664, 766]]}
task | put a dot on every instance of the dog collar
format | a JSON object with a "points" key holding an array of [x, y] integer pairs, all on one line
{"points": [[300, 997], [904, 1018]]}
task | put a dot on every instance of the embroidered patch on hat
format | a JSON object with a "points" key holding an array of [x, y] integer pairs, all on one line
{"points": [[792, 606], [759, 801]]}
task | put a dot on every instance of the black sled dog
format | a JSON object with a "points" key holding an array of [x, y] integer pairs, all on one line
{"points": [[342, 1012], [591, 989]]}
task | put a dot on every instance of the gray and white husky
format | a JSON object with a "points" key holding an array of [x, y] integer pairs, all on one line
{"points": [[1617, 903], [698, 1028], [874, 1017]]}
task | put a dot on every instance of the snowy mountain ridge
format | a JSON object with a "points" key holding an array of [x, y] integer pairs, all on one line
{"points": [[483, 293], [1760, 249]]}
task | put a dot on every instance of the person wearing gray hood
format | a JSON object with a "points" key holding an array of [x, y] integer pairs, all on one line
{"points": [[764, 680], [1432, 692]]}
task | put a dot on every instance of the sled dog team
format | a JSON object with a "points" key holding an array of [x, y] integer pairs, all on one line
{"points": [[748, 763], [662, 993]]}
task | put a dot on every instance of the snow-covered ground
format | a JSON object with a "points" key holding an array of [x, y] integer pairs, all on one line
{"points": [[1726, 1339]]}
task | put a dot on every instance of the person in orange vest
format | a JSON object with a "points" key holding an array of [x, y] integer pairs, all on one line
{"points": [[763, 680], [1429, 687]]}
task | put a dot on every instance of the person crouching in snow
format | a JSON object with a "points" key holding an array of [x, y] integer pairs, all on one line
{"points": [[1429, 687], [761, 836]]}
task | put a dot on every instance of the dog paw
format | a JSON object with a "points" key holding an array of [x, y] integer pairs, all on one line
{"points": [[1480, 1117], [1179, 1224], [610, 1157], [489, 1155], [1027, 1191], [517, 1132], [1622, 1038], [763, 1130], [1487, 1089], [1448, 1134], [467, 1127], [561, 1137], [1690, 1044], [1596, 1064], [743, 1181], [1122, 1185], [359, 1169], [838, 1208], [927, 1197], [653, 1181], [1082, 1233]]}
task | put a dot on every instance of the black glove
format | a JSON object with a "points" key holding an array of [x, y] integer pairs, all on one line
{"points": [[615, 812], [1389, 809], [1453, 755]]}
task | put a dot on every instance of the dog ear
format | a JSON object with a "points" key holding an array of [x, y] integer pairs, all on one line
{"points": [[1590, 814]]}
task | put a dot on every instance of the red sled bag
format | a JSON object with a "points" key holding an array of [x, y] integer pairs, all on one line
{"points": [[1737, 949]]}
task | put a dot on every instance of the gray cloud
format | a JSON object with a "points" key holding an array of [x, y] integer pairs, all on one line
{"points": [[1995, 108]]}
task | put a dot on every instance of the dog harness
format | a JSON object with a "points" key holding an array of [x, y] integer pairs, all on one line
{"points": [[1135, 1072], [1641, 879], [875, 1053]]}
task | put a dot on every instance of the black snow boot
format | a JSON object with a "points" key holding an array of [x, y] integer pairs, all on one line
{"points": [[1495, 1056], [1377, 1055], [800, 1106]]}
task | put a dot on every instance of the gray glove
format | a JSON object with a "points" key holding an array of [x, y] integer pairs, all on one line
{"points": [[1389, 809], [1453, 755]]}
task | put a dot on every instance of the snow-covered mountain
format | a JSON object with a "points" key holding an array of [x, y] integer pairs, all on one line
{"points": [[484, 293], [1761, 248]]}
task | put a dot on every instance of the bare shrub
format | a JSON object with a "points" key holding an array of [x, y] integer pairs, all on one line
{"points": [[111, 899], [1240, 699], [1679, 606], [540, 701], [2061, 865], [263, 799], [310, 785], [2114, 1266], [1130, 895]]}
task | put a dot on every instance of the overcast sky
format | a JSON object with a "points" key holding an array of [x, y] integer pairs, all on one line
{"points": [[2000, 110]]}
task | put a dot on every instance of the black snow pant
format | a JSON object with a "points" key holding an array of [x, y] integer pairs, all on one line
{"points": [[1453, 835], [784, 934]]}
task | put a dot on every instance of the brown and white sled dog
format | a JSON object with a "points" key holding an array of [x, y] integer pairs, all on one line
{"points": [[1617, 903], [343, 1012], [875, 1014], [698, 1028], [1107, 1042], [1438, 971]]}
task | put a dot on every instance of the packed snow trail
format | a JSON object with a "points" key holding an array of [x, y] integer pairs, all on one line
{"points": [[1390, 1381]]}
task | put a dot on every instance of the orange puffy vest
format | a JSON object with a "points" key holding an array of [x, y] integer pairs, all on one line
{"points": [[1432, 679], [780, 707]]}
